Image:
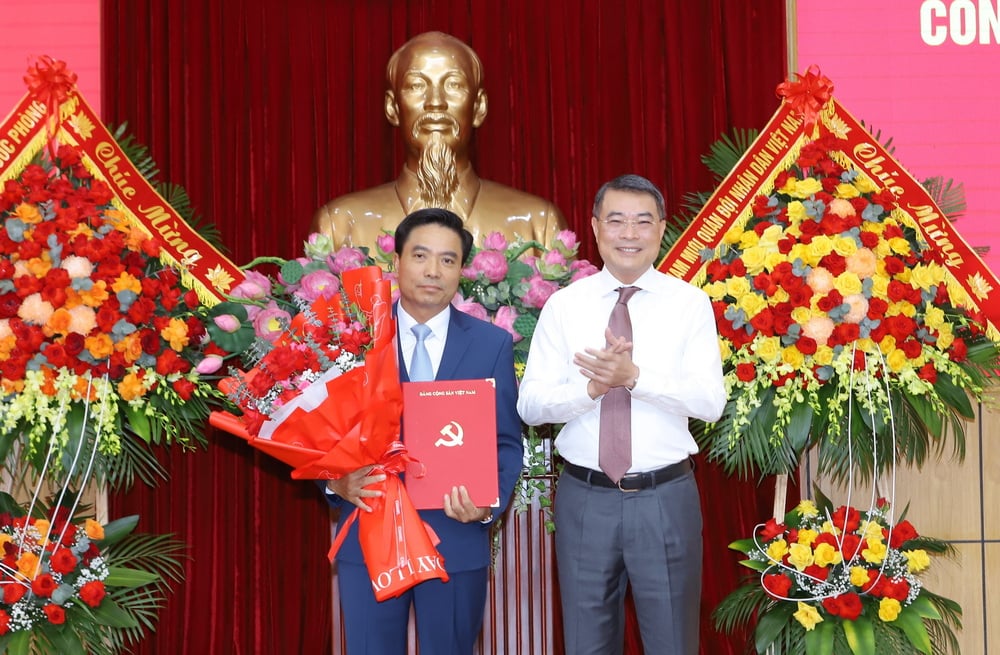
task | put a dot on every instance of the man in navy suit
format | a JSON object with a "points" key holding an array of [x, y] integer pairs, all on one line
{"points": [[431, 248]]}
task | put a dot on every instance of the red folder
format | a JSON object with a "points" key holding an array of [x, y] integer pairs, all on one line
{"points": [[450, 427]]}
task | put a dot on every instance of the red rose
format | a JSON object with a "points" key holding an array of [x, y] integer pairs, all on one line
{"points": [[13, 592], [56, 614], [958, 351], [746, 372], [903, 532], [777, 585], [43, 585], [928, 372], [9, 304], [771, 529], [806, 345], [63, 561], [4, 622], [92, 593], [846, 518]]}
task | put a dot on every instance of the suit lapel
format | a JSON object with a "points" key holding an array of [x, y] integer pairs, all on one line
{"points": [[459, 341]]}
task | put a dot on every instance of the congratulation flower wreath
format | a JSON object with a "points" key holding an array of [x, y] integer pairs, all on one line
{"points": [[849, 579], [99, 342], [837, 324]]}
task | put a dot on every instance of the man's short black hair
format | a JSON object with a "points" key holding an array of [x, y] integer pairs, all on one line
{"points": [[434, 216]]}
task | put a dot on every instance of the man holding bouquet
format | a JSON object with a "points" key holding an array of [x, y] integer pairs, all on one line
{"points": [[431, 247]]}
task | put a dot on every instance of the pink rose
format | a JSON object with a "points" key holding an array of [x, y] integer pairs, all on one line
{"points": [[504, 318], [346, 259], [318, 284], [470, 307], [539, 291], [255, 287], [209, 365], [490, 264], [495, 241]]}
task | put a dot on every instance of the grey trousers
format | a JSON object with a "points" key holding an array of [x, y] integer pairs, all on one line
{"points": [[606, 539]]}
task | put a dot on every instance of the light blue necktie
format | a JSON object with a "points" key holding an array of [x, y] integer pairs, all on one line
{"points": [[420, 365]]}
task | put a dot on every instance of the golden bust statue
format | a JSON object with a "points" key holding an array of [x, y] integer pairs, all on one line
{"points": [[434, 95]]}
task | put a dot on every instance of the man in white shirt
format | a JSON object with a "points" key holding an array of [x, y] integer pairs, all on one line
{"points": [[627, 508]]}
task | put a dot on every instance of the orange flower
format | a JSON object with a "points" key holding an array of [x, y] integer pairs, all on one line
{"points": [[131, 387], [93, 529], [58, 323], [126, 282], [27, 565], [131, 347], [96, 295], [28, 213], [99, 345], [176, 333]]}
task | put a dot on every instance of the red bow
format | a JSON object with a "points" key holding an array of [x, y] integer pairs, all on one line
{"points": [[50, 82], [808, 95]]}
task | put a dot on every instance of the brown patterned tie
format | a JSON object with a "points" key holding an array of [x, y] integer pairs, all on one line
{"points": [[615, 441]]}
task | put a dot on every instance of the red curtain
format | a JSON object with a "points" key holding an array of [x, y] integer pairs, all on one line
{"points": [[265, 109]]}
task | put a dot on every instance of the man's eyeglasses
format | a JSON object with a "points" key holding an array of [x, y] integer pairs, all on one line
{"points": [[642, 226]]}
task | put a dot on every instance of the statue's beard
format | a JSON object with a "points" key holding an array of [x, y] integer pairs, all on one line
{"points": [[437, 174]]}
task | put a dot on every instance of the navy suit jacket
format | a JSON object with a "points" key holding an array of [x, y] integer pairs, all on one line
{"points": [[474, 349]]}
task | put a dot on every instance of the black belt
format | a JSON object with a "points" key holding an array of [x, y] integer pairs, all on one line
{"points": [[632, 481]]}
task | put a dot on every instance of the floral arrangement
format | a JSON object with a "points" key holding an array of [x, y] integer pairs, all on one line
{"points": [[72, 585], [291, 330], [837, 323], [97, 337], [840, 580]]}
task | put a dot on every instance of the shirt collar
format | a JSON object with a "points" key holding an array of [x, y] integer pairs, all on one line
{"points": [[648, 281], [437, 323]]}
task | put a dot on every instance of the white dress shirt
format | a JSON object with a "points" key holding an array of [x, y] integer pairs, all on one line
{"points": [[675, 347], [434, 342]]}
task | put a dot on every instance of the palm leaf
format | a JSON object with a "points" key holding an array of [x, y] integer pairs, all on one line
{"points": [[724, 154]]}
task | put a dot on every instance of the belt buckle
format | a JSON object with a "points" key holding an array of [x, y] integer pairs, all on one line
{"points": [[622, 489]]}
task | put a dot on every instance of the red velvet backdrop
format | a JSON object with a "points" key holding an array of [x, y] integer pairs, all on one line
{"points": [[264, 109]]}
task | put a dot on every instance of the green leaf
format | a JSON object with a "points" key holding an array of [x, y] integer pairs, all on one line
{"points": [[66, 641], [19, 644], [913, 626], [924, 608], [121, 576], [138, 422], [799, 427], [860, 636], [819, 640], [10, 506], [771, 624], [743, 545], [118, 529], [954, 396], [110, 614], [927, 414]]}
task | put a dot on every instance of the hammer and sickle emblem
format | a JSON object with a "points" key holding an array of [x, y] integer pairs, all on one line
{"points": [[454, 432]]}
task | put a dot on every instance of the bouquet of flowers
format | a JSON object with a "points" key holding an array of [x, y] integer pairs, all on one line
{"points": [[97, 337], [840, 580], [838, 322], [72, 585]]}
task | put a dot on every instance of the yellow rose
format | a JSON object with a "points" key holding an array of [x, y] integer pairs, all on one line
{"points": [[772, 259], [753, 258], [819, 247], [737, 287], [777, 550], [802, 251], [924, 277], [769, 349], [875, 552], [897, 361], [823, 356], [771, 236], [899, 245], [934, 317], [800, 556], [806, 188], [848, 284], [859, 576], [796, 211], [903, 308], [827, 555], [888, 609], [807, 536], [807, 615], [724, 350], [732, 235], [748, 239], [715, 290], [864, 184], [845, 246], [801, 315], [793, 357], [945, 336], [880, 286], [916, 560], [752, 304], [846, 190]]}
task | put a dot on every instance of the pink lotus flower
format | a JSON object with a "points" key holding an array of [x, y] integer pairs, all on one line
{"points": [[318, 284], [552, 265], [227, 323], [386, 243], [490, 264], [209, 365], [346, 259], [495, 241], [318, 246], [539, 291], [504, 318], [581, 268], [271, 322], [470, 307], [256, 286], [566, 242]]}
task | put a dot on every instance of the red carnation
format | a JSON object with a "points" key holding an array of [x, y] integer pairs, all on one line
{"points": [[771, 529], [184, 388], [928, 372], [56, 614], [903, 532], [958, 351], [4, 622], [9, 304], [13, 592], [846, 518], [92, 593]]}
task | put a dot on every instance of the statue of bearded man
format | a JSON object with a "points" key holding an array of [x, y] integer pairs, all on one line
{"points": [[434, 95]]}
